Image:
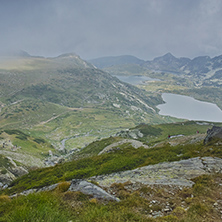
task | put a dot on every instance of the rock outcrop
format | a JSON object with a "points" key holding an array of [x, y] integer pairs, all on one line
{"points": [[114, 146], [214, 133], [177, 173], [76, 185], [90, 189]]}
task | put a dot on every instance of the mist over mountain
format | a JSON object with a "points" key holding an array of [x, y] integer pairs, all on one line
{"points": [[108, 61]]}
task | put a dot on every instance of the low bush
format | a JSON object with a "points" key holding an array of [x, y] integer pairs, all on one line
{"points": [[63, 186]]}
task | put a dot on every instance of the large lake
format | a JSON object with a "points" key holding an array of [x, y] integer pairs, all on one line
{"points": [[186, 107], [135, 80]]}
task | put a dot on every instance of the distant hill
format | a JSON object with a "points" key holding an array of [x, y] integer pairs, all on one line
{"points": [[109, 61]]}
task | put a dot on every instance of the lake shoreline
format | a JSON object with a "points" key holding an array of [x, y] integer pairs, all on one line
{"points": [[187, 107]]}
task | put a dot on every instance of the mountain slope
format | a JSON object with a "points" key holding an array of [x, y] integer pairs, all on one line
{"points": [[66, 80], [68, 102]]}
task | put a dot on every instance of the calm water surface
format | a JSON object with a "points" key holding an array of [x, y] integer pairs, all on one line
{"points": [[135, 80], [186, 107]]}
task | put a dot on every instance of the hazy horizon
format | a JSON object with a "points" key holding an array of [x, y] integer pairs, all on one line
{"points": [[99, 28]]}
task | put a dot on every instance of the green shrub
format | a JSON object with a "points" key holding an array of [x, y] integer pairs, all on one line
{"points": [[63, 186], [39, 140]]}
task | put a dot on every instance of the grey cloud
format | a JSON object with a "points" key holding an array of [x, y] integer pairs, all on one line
{"points": [[94, 28]]}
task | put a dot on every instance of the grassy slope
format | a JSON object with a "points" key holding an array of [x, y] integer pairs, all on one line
{"points": [[25, 149], [187, 204], [135, 204], [125, 159]]}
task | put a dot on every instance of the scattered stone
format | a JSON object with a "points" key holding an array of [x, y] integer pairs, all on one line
{"points": [[156, 214], [215, 204], [166, 210]]}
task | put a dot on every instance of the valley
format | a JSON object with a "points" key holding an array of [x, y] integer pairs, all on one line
{"points": [[65, 121]]}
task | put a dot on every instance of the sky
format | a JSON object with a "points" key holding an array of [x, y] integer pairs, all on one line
{"points": [[96, 28]]}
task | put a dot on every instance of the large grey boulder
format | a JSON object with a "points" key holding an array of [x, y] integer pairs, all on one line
{"points": [[215, 132], [90, 189]]}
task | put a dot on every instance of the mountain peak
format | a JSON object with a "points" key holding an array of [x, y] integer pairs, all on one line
{"points": [[68, 55], [168, 55]]}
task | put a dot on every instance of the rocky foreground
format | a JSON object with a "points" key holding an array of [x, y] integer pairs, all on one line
{"points": [[178, 173]]}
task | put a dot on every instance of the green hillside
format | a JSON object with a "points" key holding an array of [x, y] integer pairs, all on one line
{"points": [[136, 200], [68, 102]]}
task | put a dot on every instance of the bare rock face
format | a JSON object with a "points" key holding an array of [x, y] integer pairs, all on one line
{"points": [[90, 189], [215, 132]]}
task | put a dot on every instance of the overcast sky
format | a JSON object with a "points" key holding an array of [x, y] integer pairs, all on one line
{"points": [[96, 28]]}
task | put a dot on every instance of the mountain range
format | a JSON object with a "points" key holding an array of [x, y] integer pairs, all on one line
{"points": [[202, 69]]}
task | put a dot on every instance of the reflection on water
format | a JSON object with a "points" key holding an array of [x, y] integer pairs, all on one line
{"points": [[135, 80], [186, 107]]}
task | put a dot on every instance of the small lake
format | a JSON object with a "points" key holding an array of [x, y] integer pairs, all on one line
{"points": [[135, 80], [186, 107]]}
